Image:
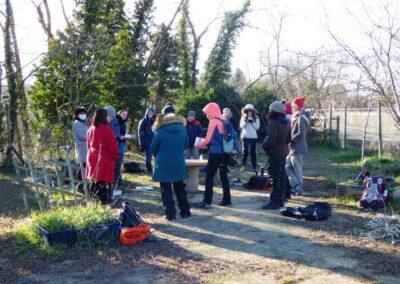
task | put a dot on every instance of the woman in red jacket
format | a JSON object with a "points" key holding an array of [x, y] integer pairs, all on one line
{"points": [[102, 152]]}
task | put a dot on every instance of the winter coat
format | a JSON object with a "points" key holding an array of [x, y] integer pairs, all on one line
{"points": [[122, 132], [169, 145], [215, 130], [79, 131], [145, 132], [300, 124], [249, 130], [193, 130], [102, 150], [278, 135]]}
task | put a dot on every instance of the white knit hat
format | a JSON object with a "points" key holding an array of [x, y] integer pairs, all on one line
{"points": [[249, 107]]}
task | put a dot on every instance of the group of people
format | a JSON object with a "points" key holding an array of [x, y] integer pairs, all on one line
{"points": [[100, 145]]}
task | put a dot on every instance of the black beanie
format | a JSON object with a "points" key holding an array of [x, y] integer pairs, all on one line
{"points": [[169, 108]]}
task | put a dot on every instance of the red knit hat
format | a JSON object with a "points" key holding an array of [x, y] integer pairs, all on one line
{"points": [[299, 102]]}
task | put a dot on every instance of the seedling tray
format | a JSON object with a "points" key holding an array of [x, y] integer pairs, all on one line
{"points": [[69, 237]]}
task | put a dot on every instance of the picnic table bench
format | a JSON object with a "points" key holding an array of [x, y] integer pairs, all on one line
{"points": [[193, 165]]}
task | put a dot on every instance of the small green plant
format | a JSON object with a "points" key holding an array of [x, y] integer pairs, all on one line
{"points": [[62, 218], [329, 182], [347, 156]]}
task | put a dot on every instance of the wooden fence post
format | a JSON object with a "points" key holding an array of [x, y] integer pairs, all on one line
{"points": [[338, 131], [39, 199], [59, 179], [47, 180], [85, 184], [330, 119], [71, 173], [345, 129], [380, 146], [22, 185], [324, 133]]}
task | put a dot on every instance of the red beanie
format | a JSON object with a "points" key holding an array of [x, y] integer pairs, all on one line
{"points": [[299, 102]]}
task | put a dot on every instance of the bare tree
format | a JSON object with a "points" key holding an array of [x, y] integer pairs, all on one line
{"points": [[380, 64], [45, 23]]}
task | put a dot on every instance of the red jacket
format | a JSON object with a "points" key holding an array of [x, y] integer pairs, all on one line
{"points": [[102, 151]]}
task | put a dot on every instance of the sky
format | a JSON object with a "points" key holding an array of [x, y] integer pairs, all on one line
{"points": [[303, 29]]}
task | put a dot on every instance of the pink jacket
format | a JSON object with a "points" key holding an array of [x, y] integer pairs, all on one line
{"points": [[213, 112]]}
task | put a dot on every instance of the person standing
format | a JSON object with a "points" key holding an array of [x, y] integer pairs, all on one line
{"points": [[102, 148], [121, 117], [298, 145], [169, 145], [274, 145], [288, 112], [113, 122], [217, 159], [79, 130], [146, 134], [193, 129], [249, 125]]}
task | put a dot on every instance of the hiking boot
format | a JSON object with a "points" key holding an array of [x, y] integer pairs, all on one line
{"points": [[170, 218], [270, 206], [186, 215], [203, 205], [224, 204]]}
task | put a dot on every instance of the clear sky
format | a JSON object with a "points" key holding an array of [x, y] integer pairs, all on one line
{"points": [[303, 28]]}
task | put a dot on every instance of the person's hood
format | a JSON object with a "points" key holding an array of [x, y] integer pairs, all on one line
{"points": [[171, 123], [212, 110], [150, 109], [194, 122]]}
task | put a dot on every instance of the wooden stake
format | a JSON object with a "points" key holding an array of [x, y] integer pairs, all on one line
{"points": [[380, 144], [71, 173], [365, 132], [22, 185], [59, 178], [47, 180], [345, 129], [33, 176]]}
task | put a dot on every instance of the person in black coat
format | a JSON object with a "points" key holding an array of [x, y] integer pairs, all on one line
{"points": [[274, 145]]}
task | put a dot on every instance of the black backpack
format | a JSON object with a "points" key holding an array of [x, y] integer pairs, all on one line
{"points": [[133, 168], [317, 211]]}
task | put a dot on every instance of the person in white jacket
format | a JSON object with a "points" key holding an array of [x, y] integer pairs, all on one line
{"points": [[249, 125]]}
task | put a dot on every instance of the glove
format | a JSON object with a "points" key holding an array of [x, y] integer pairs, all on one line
{"points": [[250, 120], [142, 148]]}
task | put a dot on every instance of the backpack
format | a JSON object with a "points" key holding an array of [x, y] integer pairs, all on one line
{"points": [[262, 182], [229, 144], [374, 195], [133, 167], [317, 211]]}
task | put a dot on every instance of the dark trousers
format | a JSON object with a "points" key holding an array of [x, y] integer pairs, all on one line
{"points": [[168, 200], [217, 162], [288, 193], [117, 170], [149, 167], [276, 169], [100, 190], [252, 144]]}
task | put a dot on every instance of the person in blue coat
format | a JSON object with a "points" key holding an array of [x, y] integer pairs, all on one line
{"points": [[169, 145], [193, 129], [146, 134]]}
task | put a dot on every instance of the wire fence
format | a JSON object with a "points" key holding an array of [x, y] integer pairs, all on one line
{"points": [[351, 124]]}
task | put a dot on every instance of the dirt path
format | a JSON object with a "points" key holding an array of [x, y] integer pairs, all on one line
{"points": [[242, 244]]}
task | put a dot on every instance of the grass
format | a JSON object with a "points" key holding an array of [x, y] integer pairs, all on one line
{"points": [[62, 218], [347, 156]]}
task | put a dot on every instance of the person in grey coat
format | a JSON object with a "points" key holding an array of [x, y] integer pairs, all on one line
{"points": [[79, 130], [298, 145]]}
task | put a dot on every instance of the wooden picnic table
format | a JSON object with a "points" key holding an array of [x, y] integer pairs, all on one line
{"points": [[193, 165]]}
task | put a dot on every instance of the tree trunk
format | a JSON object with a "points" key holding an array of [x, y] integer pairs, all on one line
{"points": [[23, 102]]}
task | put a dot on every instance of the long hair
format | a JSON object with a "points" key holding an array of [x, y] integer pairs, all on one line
{"points": [[100, 117]]}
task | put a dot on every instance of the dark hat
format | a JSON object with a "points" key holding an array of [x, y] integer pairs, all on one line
{"points": [[169, 108]]}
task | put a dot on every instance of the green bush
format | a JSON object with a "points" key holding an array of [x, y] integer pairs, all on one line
{"points": [[383, 165]]}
